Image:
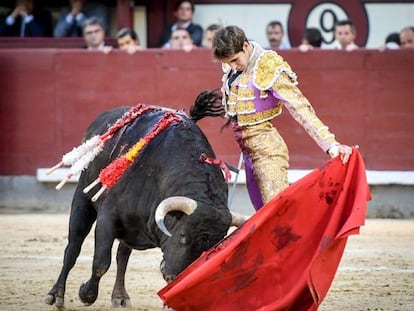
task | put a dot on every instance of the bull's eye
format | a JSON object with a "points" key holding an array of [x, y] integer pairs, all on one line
{"points": [[183, 239]]}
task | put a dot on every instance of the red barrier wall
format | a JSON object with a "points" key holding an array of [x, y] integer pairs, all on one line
{"points": [[49, 96]]}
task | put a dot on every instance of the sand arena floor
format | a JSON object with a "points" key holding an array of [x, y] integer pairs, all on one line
{"points": [[376, 271]]}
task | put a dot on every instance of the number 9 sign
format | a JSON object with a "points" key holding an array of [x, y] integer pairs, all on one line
{"points": [[324, 16]]}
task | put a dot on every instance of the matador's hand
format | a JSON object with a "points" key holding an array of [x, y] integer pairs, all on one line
{"points": [[343, 151]]}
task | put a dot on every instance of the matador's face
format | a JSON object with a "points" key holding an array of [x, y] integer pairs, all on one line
{"points": [[240, 60]]}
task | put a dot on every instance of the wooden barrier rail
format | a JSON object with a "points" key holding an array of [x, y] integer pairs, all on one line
{"points": [[49, 96]]}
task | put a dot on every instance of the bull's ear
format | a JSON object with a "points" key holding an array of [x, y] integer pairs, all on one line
{"points": [[177, 203]]}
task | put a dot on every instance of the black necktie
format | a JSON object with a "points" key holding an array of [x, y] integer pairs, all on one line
{"points": [[233, 77]]}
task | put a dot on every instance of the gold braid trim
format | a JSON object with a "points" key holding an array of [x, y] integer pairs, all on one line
{"points": [[258, 117], [302, 111], [268, 68]]}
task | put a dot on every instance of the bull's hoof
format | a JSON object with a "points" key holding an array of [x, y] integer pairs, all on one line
{"points": [[121, 302], [88, 293], [51, 299]]}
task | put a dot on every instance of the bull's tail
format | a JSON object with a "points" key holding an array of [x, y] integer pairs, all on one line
{"points": [[207, 104]]}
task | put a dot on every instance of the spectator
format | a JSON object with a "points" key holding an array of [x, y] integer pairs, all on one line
{"points": [[275, 36], [128, 40], [209, 35], [72, 17], [312, 38], [181, 40], [94, 35], [183, 12], [345, 35], [407, 37], [392, 42], [27, 19]]}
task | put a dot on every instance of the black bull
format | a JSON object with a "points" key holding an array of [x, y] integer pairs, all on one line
{"points": [[167, 167]]}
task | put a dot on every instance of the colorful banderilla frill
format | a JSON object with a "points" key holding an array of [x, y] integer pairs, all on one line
{"points": [[204, 159], [80, 157], [110, 175]]}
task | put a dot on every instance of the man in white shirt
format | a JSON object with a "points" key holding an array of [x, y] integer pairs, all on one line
{"points": [[275, 35], [407, 37], [345, 35]]}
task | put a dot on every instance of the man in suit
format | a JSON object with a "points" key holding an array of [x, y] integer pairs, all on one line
{"points": [[183, 11], [72, 17], [27, 20]]}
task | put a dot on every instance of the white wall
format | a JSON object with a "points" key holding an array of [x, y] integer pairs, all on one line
{"points": [[253, 18], [387, 18], [140, 24]]}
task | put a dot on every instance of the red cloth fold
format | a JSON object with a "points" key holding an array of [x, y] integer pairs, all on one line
{"points": [[286, 255]]}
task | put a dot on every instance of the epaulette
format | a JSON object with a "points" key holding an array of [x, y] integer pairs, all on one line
{"points": [[268, 67], [225, 67]]}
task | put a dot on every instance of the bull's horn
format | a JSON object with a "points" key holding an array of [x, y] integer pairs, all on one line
{"points": [[183, 204], [238, 219]]}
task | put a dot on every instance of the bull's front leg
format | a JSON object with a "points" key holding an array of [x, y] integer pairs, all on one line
{"points": [[120, 297], [82, 217], [104, 239]]}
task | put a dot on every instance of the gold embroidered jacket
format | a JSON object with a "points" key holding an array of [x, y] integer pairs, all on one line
{"points": [[259, 92]]}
